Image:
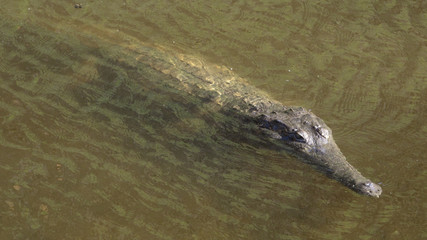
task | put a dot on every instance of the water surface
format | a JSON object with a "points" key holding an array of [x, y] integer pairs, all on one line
{"points": [[94, 145]]}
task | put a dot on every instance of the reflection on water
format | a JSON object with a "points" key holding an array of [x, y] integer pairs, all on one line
{"points": [[94, 145]]}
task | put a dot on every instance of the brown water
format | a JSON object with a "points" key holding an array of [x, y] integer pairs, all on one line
{"points": [[93, 146]]}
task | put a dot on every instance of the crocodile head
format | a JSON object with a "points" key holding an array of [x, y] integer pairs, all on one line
{"points": [[368, 188], [311, 139]]}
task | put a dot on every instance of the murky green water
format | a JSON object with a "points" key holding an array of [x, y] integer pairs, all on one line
{"points": [[95, 146]]}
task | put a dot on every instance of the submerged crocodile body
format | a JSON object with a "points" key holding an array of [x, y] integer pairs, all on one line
{"points": [[298, 130]]}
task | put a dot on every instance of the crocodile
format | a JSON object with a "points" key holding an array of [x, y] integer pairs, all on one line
{"points": [[297, 129]]}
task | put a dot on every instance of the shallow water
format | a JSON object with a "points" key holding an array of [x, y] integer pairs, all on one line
{"points": [[95, 146]]}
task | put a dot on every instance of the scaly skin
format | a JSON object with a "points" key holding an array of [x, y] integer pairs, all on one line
{"points": [[300, 131]]}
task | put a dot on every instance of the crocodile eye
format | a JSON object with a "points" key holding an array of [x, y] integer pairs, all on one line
{"points": [[293, 137], [299, 138], [321, 131]]}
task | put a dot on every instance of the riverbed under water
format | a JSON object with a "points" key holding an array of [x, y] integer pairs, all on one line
{"points": [[93, 146]]}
